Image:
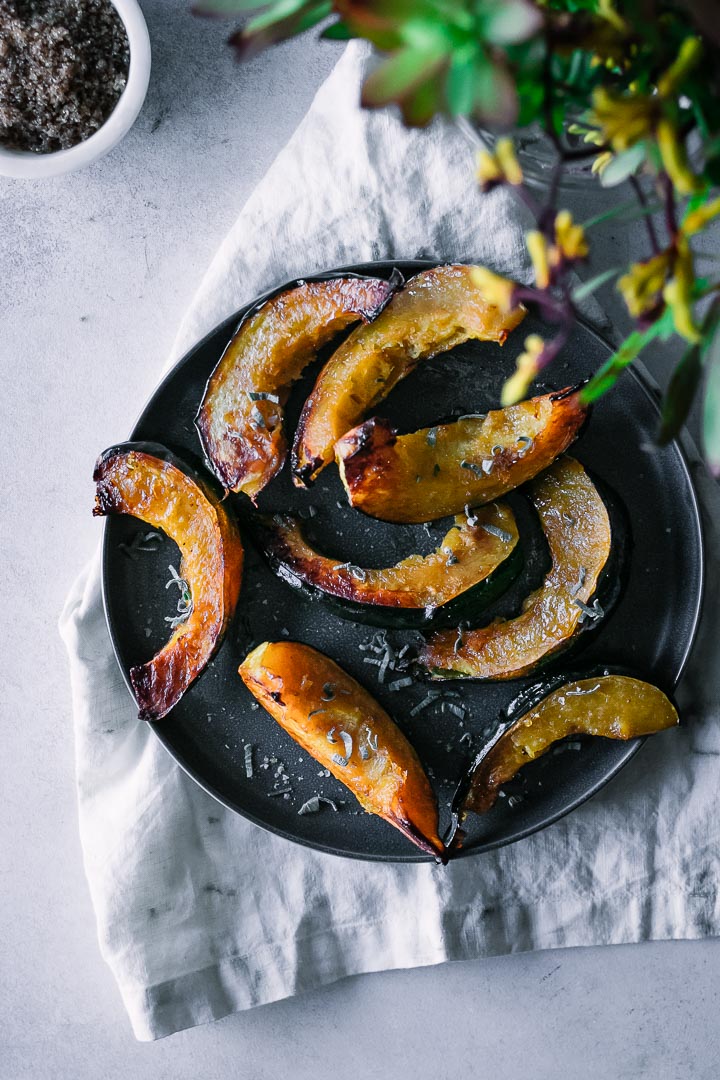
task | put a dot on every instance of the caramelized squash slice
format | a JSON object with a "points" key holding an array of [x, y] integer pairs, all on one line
{"points": [[148, 482], [467, 462], [576, 524], [240, 421], [614, 706], [475, 562], [342, 726], [436, 310]]}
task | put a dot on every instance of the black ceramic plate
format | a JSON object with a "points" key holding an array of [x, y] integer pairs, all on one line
{"points": [[650, 631]]}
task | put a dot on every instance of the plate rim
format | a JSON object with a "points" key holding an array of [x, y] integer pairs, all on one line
{"points": [[683, 443]]}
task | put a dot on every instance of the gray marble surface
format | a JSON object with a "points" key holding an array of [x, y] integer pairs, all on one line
{"points": [[96, 271]]}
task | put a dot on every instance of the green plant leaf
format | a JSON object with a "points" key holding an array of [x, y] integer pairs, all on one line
{"points": [[338, 31], [679, 395], [460, 83], [510, 21], [285, 19], [623, 165], [400, 74], [711, 410], [587, 288], [607, 375], [626, 212]]}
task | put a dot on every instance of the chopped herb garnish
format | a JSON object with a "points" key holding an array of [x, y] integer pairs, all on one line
{"points": [[331, 735], [431, 437], [452, 560], [525, 443], [328, 692], [313, 805], [257, 418], [418, 479], [248, 761], [315, 712], [279, 791], [580, 582], [568, 518], [458, 641], [400, 684], [595, 612], [338, 760], [495, 530], [364, 753], [497, 449], [436, 469], [456, 710], [477, 469], [370, 736], [259, 395], [384, 664], [184, 604], [579, 693], [429, 699], [347, 743], [473, 416], [472, 519]]}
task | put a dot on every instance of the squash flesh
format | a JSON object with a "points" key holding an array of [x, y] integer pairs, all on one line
{"points": [[161, 494], [436, 310], [467, 555], [611, 706], [468, 462], [576, 525], [242, 434], [292, 682]]}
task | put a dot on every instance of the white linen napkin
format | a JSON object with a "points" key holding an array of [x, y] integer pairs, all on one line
{"points": [[200, 913]]}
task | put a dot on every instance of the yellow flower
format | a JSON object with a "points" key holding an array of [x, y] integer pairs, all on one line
{"points": [[538, 248], [500, 167], [687, 58], [570, 240], [642, 286], [496, 289], [677, 294], [623, 119], [601, 162], [488, 169], [696, 220], [674, 158], [526, 368], [606, 8]]}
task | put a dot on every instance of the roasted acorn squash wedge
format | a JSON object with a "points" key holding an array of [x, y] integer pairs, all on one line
{"points": [[150, 483], [577, 528], [476, 561], [342, 726], [439, 470], [240, 421], [436, 310], [608, 703]]}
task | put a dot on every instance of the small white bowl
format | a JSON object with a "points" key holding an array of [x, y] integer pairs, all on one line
{"points": [[30, 165]]}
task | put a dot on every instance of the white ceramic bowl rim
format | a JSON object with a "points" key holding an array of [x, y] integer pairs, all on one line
{"points": [[29, 165]]}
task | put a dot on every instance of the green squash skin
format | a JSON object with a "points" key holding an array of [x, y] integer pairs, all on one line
{"points": [[610, 587], [467, 605]]}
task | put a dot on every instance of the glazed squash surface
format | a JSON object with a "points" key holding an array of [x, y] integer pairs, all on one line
{"points": [[576, 525], [611, 706], [240, 421], [149, 483], [436, 310], [468, 462], [341, 725], [468, 556]]}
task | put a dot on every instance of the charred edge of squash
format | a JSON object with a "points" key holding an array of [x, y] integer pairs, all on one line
{"points": [[472, 601], [203, 417], [104, 504], [420, 840], [376, 435], [529, 698]]}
